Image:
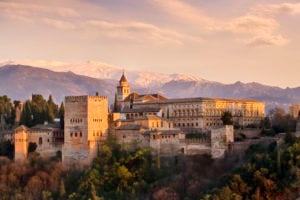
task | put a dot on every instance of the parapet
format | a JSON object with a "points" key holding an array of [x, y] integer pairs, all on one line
{"points": [[84, 98]]}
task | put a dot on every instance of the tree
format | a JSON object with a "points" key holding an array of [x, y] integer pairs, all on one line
{"points": [[227, 118], [38, 109], [6, 111], [7, 149], [61, 114], [281, 122], [62, 190], [26, 115], [32, 147], [52, 109]]}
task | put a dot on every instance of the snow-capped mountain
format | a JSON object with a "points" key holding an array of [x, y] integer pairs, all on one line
{"points": [[19, 82], [150, 80]]}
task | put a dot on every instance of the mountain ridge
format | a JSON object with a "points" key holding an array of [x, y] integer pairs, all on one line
{"points": [[21, 81]]}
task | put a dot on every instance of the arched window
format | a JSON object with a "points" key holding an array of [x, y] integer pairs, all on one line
{"points": [[40, 141], [80, 134]]}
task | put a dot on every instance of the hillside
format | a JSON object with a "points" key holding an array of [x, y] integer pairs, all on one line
{"points": [[19, 82]]}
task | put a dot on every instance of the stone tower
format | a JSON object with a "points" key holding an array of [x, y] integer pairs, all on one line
{"points": [[86, 127], [123, 89], [21, 137]]}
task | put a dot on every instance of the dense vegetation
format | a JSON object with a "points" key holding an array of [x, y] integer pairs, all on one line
{"points": [[272, 172], [278, 121], [114, 174], [38, 110], [7, 112], [265, 172]]}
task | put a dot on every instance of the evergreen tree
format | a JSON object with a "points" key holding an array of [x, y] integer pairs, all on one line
{"points": [[53, 108], [62, 190], [26, 115], [38, 108], [61, 114], [6, 111], [227, 118]]}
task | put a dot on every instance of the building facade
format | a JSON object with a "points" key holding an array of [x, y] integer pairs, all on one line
{"points": [[86, 127], [196, 114], [49, 139]]}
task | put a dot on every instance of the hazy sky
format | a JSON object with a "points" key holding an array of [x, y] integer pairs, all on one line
{"points": [[220, 40]]}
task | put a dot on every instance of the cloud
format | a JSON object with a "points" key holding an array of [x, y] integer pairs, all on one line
{"points": [[266, 40], [34, 9], [259, 25], [185, 12], [61, 24], [140, 31], [30, 12], [277, 9], [251, 24]]}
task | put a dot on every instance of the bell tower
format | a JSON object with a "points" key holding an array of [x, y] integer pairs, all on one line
{"points": [[123, 89]]}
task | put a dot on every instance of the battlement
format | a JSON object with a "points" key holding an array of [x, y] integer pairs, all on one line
{"points": [[85, 98]]}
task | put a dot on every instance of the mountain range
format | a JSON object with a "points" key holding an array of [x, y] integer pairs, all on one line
{"points": [[20, 81]]}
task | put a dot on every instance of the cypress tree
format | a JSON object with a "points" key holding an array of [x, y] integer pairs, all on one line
{"points": [[26, 115], [61, 114]]}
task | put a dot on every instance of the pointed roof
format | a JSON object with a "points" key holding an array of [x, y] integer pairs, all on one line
{"points": [[123, 78], [21, 128]]}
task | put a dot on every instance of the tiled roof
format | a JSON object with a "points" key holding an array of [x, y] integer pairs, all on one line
{"points": [[163, 132], [139, 110], [142, 97], [130, 127], [123, 79], [198, 99]]}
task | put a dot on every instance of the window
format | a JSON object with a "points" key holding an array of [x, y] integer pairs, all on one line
{"points": [[40, 141], [80, 134], [71, 134], [76, 134]]}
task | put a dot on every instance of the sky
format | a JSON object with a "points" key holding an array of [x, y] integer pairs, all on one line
{"points": [[218, 40]]}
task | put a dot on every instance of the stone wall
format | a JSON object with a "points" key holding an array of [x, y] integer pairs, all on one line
{"points": [[20, 141], [249, 132], [42, 137], [86, 126], [221, 140]]}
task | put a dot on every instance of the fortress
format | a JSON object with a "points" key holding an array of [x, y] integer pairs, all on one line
{"points": [[148, 120]]}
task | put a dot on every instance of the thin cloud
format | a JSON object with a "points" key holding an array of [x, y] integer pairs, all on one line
{"points": [[185, 12], [260, 29], [33, 9], [266, 40], [139, 31], [60, 24], [277, 9], [251, 24]]}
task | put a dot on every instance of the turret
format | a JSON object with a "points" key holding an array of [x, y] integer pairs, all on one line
{"points": [[123, 89]]}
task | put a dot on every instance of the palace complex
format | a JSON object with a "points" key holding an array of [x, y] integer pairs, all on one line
{"points": [[147, 120]]}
